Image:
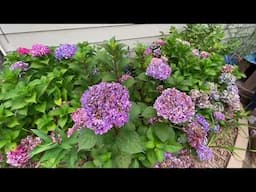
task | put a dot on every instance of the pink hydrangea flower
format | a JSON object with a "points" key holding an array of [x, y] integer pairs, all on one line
{"points": [[23, 51]]}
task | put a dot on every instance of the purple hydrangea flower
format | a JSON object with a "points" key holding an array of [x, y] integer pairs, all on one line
{"points": [[201, 99], [124, 78], [20, 65], [175, 105], [228, 68], [39, 50], [79, 118], [219, 116], [204, 54], [196, 52], [196, 134], [203, 122], [20, 157], [233, 88], [158, 69], [65, 51], [176, 161], [106, 105], [216, 128], [204, 153], [227, 78], [148, 51]]}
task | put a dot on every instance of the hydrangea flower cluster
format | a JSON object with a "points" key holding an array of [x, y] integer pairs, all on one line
{"points": [[228, 68], [124, 78], [183, 42], [227, 78], [23, 51], [20, 157], [197, 138], [39, 50], [20, 65], [65, 51], [106, 105], [202, 54], [158, 69], [155, 48], [203, 122], [201, 99], [79, 119], [175, 105], [219, 116], [176, 161]]}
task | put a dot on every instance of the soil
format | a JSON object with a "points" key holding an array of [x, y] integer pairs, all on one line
{"points": [[221, 156]]}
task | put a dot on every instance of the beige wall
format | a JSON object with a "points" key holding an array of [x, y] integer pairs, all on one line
{"points": [[25, 35]]}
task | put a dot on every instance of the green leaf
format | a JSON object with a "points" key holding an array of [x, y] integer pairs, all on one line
{"points": [[149, 112], [58, 101], [173, 148], [129, 142], [108, 77], [123, 160], [35, 65], [162, 131], [159, 155], [150, 135], [13, 123], [87, 139], [73, 158], [45, 61], [129, 83], [108, 164], [135, 164], [41, 107], [42, 135], [42, 148], [129, 126], [23, 111], [18, 104], [62, 121], [14, 134], [150, 145], [51, 154], [142, 77], [31, 99], [89, 164], [3, 143], [151, 156], [135, 111]]}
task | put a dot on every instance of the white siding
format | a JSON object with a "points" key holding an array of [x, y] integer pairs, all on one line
{"points": [[25, 35]]}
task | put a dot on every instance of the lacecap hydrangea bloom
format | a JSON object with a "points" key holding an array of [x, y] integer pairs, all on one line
{"points": [[158, 69], [65, 51], [106, 105], [175, 105], [39, 50]]}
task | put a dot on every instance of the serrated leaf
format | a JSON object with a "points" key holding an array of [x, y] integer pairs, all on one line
{"points": [[135, 164], [162, 131], [73, 158], [108, 77], [3, 143], [58, 101], [129, 142], [122, 160], [31, 99], [87, 139], [159, 155], [62, 122], [42, 148], [18, 104], [135, 111], [42, 135], [89, 164], [41, 107], [149, 112], [129, 83], [13, 123], [151, 156], [142, 77], [173, 148]]}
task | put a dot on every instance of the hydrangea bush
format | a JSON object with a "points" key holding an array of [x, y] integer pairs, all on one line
{"points": [[95, 107]]}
